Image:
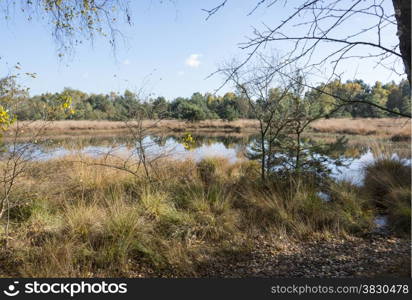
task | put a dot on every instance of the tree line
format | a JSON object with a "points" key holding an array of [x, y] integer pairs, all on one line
{"points": [[395, 97]]}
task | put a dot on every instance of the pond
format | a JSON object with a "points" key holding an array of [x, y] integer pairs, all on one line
{"points": [[233, 148]]}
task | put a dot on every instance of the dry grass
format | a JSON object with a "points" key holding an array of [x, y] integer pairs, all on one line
{"points": [[84, 220], [396, 129], [388, 184], [69, 126], [390, 127]]}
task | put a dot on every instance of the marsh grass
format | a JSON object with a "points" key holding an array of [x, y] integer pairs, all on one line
{"points": [[294, 207], [88, 126], [388, 186], [396, 129], [94, 221]]}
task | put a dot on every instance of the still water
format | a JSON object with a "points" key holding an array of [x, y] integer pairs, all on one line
{"points": [[233, 148]]}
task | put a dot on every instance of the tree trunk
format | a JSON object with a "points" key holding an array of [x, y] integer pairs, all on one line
{"points": [[263, 160], [297, 166], [403, 18]]}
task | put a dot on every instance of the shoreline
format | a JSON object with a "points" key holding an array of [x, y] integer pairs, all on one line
{"points": [[396, 129]]}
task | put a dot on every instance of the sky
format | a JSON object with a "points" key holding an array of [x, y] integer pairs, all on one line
{"points": [[170, 50]]}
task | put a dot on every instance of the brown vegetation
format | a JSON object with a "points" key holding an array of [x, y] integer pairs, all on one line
{"points": [[391, 127], [70, 127], [396, 129], [75, 220]]}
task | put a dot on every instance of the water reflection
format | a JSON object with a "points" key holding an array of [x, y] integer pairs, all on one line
{"points": [[232, 148], [354, 171]]}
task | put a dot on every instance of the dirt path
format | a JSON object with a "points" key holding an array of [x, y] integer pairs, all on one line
{"points": [[368, 257]]}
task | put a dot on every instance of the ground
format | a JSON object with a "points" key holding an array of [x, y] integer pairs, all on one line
{"points": [[354, 257]]}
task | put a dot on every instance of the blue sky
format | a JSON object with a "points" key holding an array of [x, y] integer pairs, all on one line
{"points": [[169, 50]]}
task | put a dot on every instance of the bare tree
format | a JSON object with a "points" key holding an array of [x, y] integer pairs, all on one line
{"points": [[314, 24], [284, 113], [21, 141], [142, 151], [21, 148], [256, 84]]}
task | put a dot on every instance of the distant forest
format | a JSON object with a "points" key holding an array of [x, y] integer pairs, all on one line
{"points": [[231, 106]]}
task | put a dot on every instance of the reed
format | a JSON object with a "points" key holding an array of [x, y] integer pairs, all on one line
{"points": [[395, 128]]}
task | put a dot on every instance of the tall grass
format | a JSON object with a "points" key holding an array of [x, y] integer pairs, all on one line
{"points": [[97, 221], [388, 185], [398, 129], [294, 207], [70, 126]]}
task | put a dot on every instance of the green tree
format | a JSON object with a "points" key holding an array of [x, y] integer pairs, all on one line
{"points": [[399, 97], [160, 108], [379, 95], [191, 112]]}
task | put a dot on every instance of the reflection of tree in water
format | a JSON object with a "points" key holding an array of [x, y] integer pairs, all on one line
{"points": [[160, 140], [79, 142], [240, 144], [230, 142], [355, 151], [352, 150], [317, 156]]}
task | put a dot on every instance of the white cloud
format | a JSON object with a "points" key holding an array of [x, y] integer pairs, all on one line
{"points": [[181, 73], [193, 60], [126, 62]]}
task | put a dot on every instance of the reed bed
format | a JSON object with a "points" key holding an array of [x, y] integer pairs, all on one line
{"points": [[392, 128], [57, 127], [388, 127]]}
